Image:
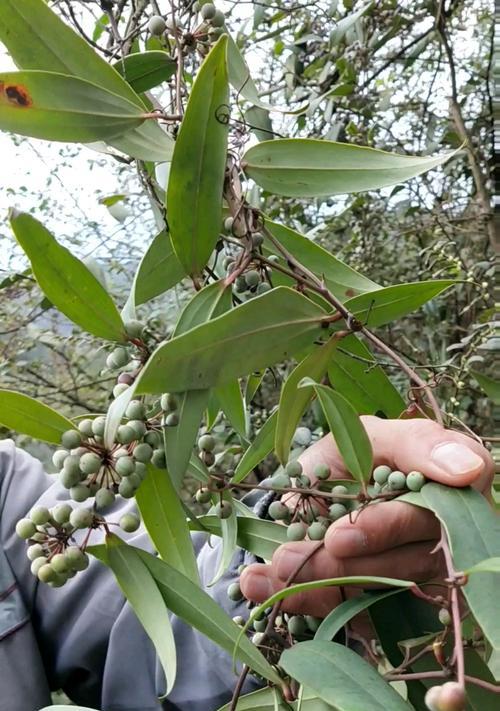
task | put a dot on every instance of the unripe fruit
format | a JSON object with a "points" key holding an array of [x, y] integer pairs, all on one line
{"points": [[125, 379], [135, 410], [218, 19], [258, 638], [279, 481], [273, 258], [263, 288], [71, 439], [172, 420], [119, 389], [297, 625], [336, 511], [79, 493], [195, 6], [139, 428], [316, 531], [252, 278], [40, 515], [59, 457], [141, 470], [240, 285], [129, 522], [302, 436], [257, 239], [444, 617], [396, 481], [81, 518], [303, 481], [452, 697], [59, 580], [208, 458], [313, 623], [321, 471], [228, 224], [125, 466], [70, 478], [239, 620], [234, 592], [415, 481], [37, 564], [61, 513], [169, 402], [156, 25], [432, 698], [135, 328], [127, 488], [104, 498], [381, 474], [158, 459], [60, 563], [25, 528], [98, 426], [118, 358], [203, 496], [207, 443], [85, 427], [223, 509], [35, 551], [46, 573], [90, 463], [260, 625], [143, 453], [293, 469], [340, 490], [77, 559], [296, 531], [125, 434], [207, 11], [278, 511], [153, 439]]}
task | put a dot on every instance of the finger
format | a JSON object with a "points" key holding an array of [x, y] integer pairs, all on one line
{"points": [[445, 456]]}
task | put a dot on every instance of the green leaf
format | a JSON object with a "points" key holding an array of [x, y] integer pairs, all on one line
{"points": [[213, 300], [158, 271], [341, 280], [264, 700], [66, 281], [139, 587], [145, 70], [293, 401], [349, 434], [259, 537], [490, 386], [115, 413], [54, 47], [193, 605], [28, 416], [194, 195], [342, 27], [340, 677], [474, 533], [363, 382], [262, 444], [259, 123], [232, 405], [229, 534], [385, 305], [490, 565], [308, 167], [343, 613], [56, 107], [263, 331], [179, 440]]}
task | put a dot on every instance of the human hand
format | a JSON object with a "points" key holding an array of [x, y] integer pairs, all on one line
{"points": [[390, 539]]}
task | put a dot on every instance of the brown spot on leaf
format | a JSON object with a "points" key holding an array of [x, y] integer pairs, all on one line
{"points": [[17, 95], [350, 292]]}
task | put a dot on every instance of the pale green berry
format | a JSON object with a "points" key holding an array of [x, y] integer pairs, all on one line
{"points": [[158, 459], [70, 478], [72, 465], [273, 258], [139, 428], [119, 389], [81, 518], [293, 468], [77, 559], [252, 278], [40, 515], [60, 563], [127, 488], [444, 617], [297, 625], [321, 471], [104, 498], [90, 463], [121, 452], [303, 481], [37, 564], [172, 420], [98, 426], [240, 285], [316, 531], [278, 511], [35, 551], [39, 537], [218, 19], [260, 625], [121, 357], [125, 434], [141, 470], [207, 443], [396, 481], [279, 481], [25, 528], [257, 239], [79, 493], [71, 439], [156, 25], [153, 439], [169, 402], [195, 7], [134, 328], [339, 490], [59, 457], [143, 452], [234, 592], [313, 623], [61, 513], [129, 522], [223, 509], [125, 466], [302, 436], [336, 511], [415, 481], [135, 410], [381, 474], [59, 580], [228, 224], [207, 11], [46, 573], [263, 288], [203, 496], [85, 427], [296, 531], [258, 638], [239, 620]]}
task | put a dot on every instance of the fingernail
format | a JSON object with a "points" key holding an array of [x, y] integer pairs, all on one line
{"points": [[456, 458], [259, 587], [346, 542]]}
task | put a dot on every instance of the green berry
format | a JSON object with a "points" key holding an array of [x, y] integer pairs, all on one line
{"points": [[129, 522], [104, 498], [59, 457], [257, 239], [321, 471], [37, 564], [240, 285], [303, 481], [40, 515], [127, 488], [396, 481], [85, 427], [69, 478], [118, 358], [71, 439], [207, 443], [316, 531], [228, 224], [313, 623], [336, 511], [195, 7], [239, 620], [135, 410], [143, 452], [35, 551], [153, 439], [444, 617], [278, 511], [81, 518], [258, 638], [169, 402], [60, 563], [297, 625], [121, 452], [125, 466], [252, 278], [134, 328], [125, 434], [260, 625], [203, 496], [119, 389], [234, 592], [296, 531], [141, 470], [98, 426], [25, 528], [79, 493], [223, 509], [46, 573], [273, 258], [381, 473], [90, 463], [302, 436], [158, 459], [340, 490], [207, 11], [77, 559], [156, 26], [279, 481], [415, 481], [172, 420], [218, 19], [263, 288], [139, 428], [294, 468]]}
